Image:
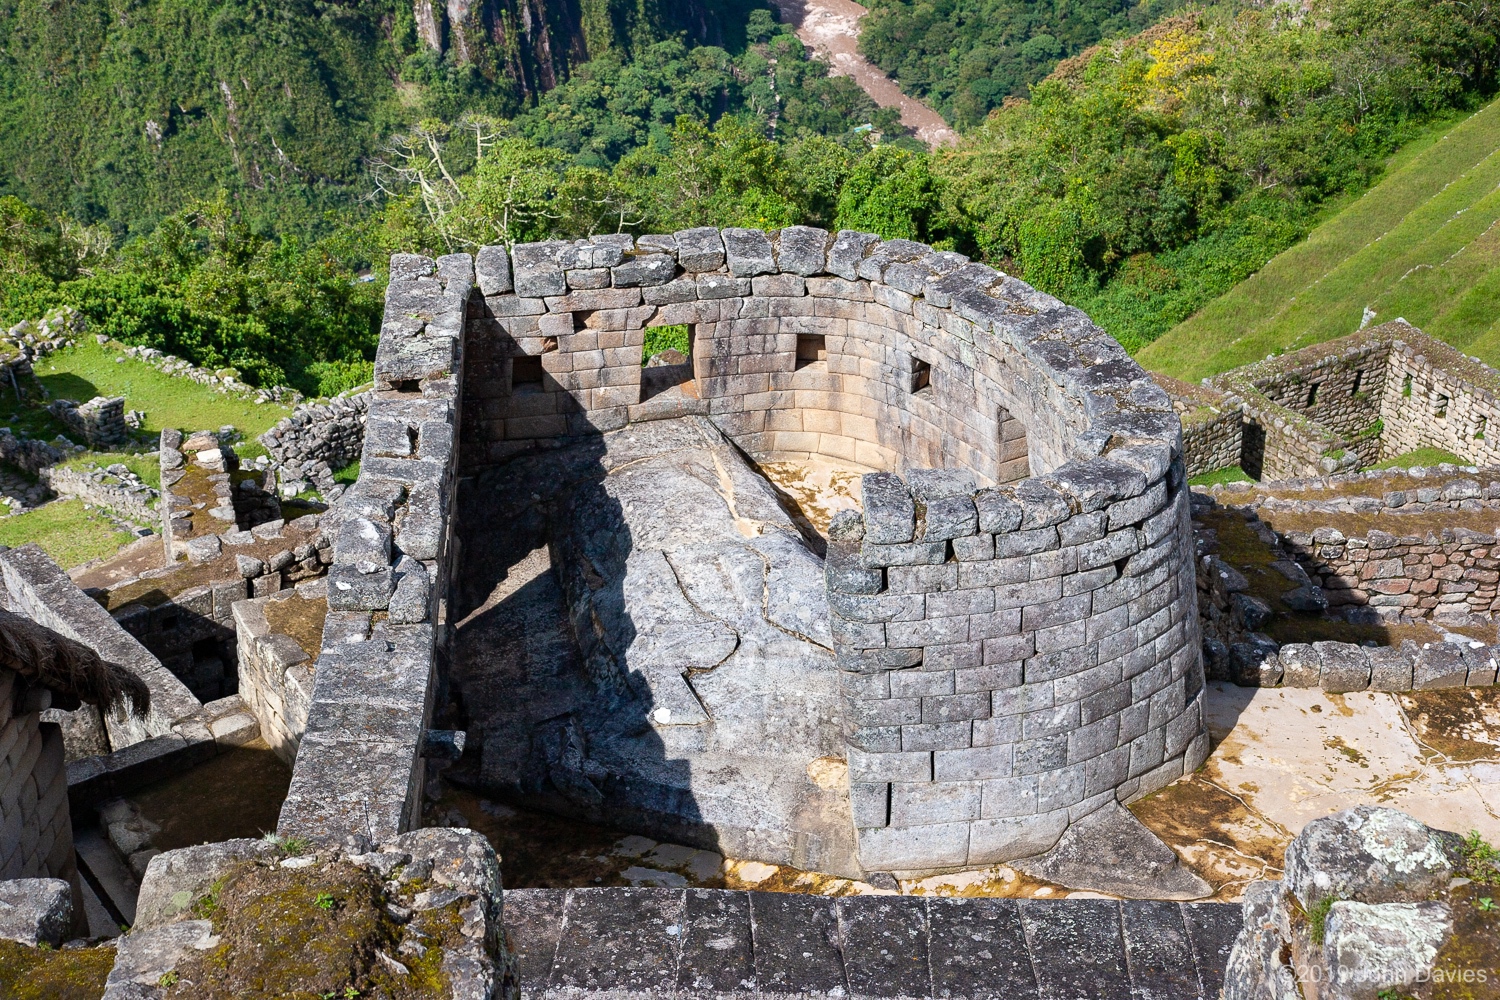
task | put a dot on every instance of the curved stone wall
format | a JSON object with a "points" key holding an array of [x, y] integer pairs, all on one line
{"points": [[1017, 633], [1014, 619]]}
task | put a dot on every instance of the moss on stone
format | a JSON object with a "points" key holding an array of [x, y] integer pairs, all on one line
{"points": [[301, 618], [48, 974], [307, 933], [1467, 967]]}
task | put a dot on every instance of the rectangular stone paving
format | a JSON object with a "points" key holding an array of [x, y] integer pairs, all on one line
{"points": [[681, 943]]}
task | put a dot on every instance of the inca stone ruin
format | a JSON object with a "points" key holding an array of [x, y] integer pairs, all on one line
{"points": [[587, 583]]}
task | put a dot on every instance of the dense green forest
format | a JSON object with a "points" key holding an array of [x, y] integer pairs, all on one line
{"points": [[1139, 179], [123, 110], [965, 57]]}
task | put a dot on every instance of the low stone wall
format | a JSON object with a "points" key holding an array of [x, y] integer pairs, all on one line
{"points": [[276, 676], [36, 836], [100, 421], [28, 453], [1428, 575], [224, 380], [319, 438], [359, 767], [1342, 667], [120, 491], [37, 587], [1212, 429]]}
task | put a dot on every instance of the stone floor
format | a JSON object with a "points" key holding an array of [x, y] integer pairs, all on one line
{"points": [[1284, 756], [647, 646]]}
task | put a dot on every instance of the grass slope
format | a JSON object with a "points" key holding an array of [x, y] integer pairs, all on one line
{"points": [[88, 370], [1423, 244], [66, 531]]}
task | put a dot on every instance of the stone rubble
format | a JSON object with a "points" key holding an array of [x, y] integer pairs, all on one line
{"points": [[1367, 905], [436, 869]]}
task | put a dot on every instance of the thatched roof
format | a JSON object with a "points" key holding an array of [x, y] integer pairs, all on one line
{"points": [[67, 667]]}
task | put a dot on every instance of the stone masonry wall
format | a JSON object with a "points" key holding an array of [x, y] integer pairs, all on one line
{"points": [[1212, 430], [100, 421], [997, 682], [329, 434], [276, 679], [1338, 385], [124, 493], [359, 768], [1428, 575], [844, 347], [1012, 663], [1437, 397], [37, 587], [36, 837]]}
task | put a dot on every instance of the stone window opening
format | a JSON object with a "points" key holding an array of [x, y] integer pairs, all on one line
{"points": [[666, 367], [1480, 426], [1439, 406], [1312, 394], [1406, 385], [407, 385], [526, 374], [921, 377], [812, 349], [1359, 377], [1014, 463]]}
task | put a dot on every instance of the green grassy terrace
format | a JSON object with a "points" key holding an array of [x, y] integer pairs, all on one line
{"points": [[88, 370], [66, 531], [1423, 244]]}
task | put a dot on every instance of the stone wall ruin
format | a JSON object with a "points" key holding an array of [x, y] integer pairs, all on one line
{"points": [[1341, 405], [1013, 615]]}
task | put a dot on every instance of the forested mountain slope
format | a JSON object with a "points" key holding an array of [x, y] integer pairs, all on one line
{"points": [[125, 110], [1423, 244], [965, 57]]}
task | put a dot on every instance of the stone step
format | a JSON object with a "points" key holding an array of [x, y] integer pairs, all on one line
{"points": [[101, 866], [101, 922], [622, 943]]}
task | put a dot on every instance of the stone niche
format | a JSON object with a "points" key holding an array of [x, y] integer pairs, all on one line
{"points": [[1012, 619]]}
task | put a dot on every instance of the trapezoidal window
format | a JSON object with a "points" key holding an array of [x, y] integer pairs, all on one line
{"points": [[1480, 426], [1312, 394], [811, 349], [1014, 464], [1440, 406], [667, 361], [526, 374], [921, 377], [1359, 377]]}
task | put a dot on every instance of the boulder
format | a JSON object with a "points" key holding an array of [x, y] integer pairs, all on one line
{"points": [[1363, 913], [35, 911], [1370, 854]]}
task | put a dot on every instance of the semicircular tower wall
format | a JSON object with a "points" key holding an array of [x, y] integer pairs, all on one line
{"points": [[1014, 614]]}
